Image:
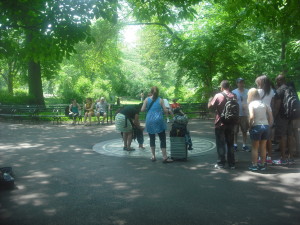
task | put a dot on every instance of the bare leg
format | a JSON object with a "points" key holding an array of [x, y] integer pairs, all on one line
{"points": [[129, 139], [90, 118], [244, 138], [104, 116], [263, 146], [98, 117], [282, 146], [269, 148], [85, 118], [125, 137], [254, 153], [164, 153], [291, 145], [153, 153]]}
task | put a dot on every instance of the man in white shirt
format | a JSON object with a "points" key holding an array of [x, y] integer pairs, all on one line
{"points": [[242, 94], [101, 109]]}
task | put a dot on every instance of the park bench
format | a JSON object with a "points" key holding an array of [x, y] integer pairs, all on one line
{"points": [[198, 109], [6, 111], [19, 112]]}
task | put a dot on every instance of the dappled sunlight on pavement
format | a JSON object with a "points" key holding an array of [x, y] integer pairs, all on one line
{"points": [[61, 180]]}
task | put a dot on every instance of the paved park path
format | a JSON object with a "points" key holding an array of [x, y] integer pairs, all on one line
{"points": [[61, 180]]}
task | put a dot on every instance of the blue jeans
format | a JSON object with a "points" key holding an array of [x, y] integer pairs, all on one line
{"points": [[224, 142]]}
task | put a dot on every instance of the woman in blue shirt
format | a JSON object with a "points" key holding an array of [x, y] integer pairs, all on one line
{"points": [[155, 122]]}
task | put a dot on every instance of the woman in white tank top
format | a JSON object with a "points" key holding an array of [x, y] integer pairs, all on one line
{"points": [[260, 120], [266, 93]]}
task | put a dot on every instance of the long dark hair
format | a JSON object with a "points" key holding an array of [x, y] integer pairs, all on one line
{"points": [[264, 83], [154, 92]]}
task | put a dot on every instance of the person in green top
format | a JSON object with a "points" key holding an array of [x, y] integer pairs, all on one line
{"points": [[74, 110]]}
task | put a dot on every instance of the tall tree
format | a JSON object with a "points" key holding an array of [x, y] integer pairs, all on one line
{"points": [[51, 29]]}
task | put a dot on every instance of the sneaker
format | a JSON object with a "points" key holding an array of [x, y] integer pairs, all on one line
{"points": [[219, 166], [190, 148], [246, 148], [262, 167], [232, 167], [269, 161], [280, 162], [259, 160], [253, 167], [291, 162], [235, 148]]}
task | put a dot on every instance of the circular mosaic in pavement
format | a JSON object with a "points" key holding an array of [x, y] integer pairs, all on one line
{"points": [[114, 147]]}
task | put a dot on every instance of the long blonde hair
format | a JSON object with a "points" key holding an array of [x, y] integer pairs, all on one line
{"points": [[253, 95]]}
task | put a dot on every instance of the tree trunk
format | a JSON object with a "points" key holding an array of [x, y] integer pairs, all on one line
{"points": [[284, 41], [34, 75], [35, 82], [10, 79]]}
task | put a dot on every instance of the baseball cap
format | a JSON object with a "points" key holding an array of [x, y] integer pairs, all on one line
{"points": [[239, 80]]}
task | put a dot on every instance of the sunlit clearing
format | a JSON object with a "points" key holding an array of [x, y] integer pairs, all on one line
{"points": [[129, 34]]}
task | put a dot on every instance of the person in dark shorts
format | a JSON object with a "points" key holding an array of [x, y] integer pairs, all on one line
{"points": [[260, 120], [283, 126]]}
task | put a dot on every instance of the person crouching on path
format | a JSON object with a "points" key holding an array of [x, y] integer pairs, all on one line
{"points": [[155, 123], [224, 132], [260, 120], [126, 120]]}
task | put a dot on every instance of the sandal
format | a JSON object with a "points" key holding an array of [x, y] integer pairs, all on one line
{"points": [[168, 160]]}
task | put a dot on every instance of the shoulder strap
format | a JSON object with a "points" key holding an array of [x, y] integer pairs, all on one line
{"points": [[151, 104], [225, 96]]}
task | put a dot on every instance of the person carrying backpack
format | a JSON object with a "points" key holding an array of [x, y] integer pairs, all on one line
{"points": [[284, 121], [227, 113]]}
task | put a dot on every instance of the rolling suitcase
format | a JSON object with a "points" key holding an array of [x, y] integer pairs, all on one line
{"points": [[178, 148]]}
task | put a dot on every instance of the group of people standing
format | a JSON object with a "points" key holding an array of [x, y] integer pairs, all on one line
{"points": [[260, 113], [128, 119]]}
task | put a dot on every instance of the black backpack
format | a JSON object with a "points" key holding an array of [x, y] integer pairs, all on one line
{"points": [[291, 104], [178, 130], [230, 114]]}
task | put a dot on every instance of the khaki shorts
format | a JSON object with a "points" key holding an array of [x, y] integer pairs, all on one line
{"points": [[243, 123]]}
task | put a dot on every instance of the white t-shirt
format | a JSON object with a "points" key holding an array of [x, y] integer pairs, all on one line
{"points": [[268, 98], [242, 100], [167, 105], [259, 112]]}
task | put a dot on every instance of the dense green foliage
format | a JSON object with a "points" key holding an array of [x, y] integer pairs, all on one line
{"points": [[75, 48]]}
